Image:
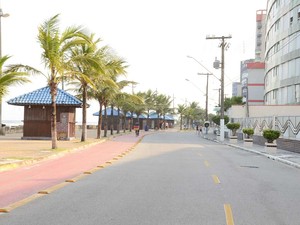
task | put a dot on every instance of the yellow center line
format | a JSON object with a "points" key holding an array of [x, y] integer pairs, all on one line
{"points": [[228, 214], [206, 163], [216, 179]]}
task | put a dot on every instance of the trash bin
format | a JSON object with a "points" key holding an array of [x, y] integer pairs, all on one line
{"points": [[146, 127]]}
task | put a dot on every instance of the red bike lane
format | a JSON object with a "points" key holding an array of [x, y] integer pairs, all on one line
{"points": [[20, 183]]}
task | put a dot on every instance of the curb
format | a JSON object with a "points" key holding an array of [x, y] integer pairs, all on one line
{"points": [[275, 158]]}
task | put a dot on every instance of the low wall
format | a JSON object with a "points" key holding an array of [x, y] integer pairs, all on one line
{"points": [[282, 143], [13, 129]]}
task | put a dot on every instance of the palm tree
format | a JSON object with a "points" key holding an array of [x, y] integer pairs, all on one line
{"points": [[127, 104], [149, 99], [84, 62], [100, 94], [181, 110], [11, 75], [56, 46], [166, 107], [194, 113], [162, 106], [116, 67]]}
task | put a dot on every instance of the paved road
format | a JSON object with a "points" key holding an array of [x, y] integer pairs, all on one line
{"points": [[174, 178]]}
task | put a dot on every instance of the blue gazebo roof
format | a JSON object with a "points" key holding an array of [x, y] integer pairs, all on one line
{"points": [[42, 96], [108, 112], [155, 116], [141, 116]]}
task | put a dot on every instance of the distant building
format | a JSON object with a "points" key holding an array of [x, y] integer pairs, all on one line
{"points": [[253, 82], [282, 78], [236, 89]]}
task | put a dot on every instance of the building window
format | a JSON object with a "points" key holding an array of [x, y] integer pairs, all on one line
{"points": [[298, 14], [297, 93], [291, 21], [275, 94]]}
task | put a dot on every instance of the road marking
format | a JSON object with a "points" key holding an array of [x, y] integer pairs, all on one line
{"points": [[228, 214], [206, 163], [216, 179]]}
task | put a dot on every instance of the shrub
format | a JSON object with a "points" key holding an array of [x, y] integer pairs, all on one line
{"points": [[216, 119], [248, 131], [271, 135], [233, 127]]}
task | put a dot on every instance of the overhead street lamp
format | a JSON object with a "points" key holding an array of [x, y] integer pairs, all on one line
{"points": [[194, 85], [1, 15]]}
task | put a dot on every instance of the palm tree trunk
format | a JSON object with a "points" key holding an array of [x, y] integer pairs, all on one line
{"points": [[105, 121], [111, 120], [53, 89], [124, 122], [83, 134], [131, 121], [118, 121], [99, 121], [180, 122]]}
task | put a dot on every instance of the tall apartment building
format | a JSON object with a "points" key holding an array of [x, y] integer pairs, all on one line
{"points": [[252, 70], [282, 72], [260, 35]]}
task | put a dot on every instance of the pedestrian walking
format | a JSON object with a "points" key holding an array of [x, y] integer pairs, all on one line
{"points": [[136, 128], [200, 130]]}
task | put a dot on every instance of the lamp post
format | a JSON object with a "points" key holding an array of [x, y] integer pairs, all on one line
{"points": [[1, 15]]}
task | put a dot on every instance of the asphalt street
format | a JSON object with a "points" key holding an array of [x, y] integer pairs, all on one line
{"points": [[174, 178]]}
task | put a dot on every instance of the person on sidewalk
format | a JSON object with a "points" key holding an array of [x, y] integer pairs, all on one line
{"points": [[136, 128], [200, 130]]}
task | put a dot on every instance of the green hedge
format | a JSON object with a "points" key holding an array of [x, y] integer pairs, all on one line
{"points": [[271, 135], [248, 131], [233, 127]]}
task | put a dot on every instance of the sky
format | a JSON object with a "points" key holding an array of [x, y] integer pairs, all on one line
{"points": [[154, 37]]}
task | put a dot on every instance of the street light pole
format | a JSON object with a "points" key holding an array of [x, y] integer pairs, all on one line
{"points": [[223, 44], [1, 15]]}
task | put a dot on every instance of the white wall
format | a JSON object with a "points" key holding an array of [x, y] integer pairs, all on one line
{"points": [[239, 111]]}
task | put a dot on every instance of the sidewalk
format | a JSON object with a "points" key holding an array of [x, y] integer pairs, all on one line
{"points": [[283, 156], [23, 184], [15, 152]]}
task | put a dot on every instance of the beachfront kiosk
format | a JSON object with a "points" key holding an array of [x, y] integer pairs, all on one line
{"points": [[38, 110]]}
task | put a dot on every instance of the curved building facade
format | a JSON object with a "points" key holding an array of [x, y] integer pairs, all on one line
{"points": [[282, 57]]}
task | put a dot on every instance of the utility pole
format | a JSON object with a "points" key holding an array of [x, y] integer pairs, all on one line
{"points": [[206, 95], [222, 45]]}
